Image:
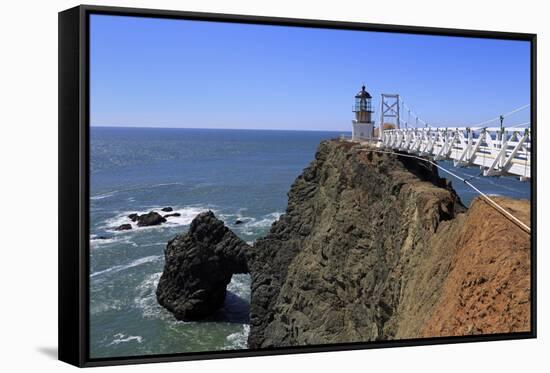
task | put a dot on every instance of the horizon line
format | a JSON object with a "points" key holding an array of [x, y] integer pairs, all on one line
{"points": [[220, 128]]}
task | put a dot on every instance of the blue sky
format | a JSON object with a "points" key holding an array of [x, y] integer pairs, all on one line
{"points": [[148, 72]]}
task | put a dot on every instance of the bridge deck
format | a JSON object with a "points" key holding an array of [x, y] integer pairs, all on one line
{"points": [[496, 151]]}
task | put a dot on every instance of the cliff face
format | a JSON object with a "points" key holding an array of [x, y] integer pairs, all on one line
{"points": [[371, 247], [487, 289], [337, 266]]}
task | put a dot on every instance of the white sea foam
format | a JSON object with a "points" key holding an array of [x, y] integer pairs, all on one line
{"points": [[239, 340], [121, 338], [187, 214], [165, 184], [160, 243], [146, 299], [240, 285], [100, 307], [131, 198], [251, 225], [135, 263], [266, 221], [112, 193], [96, 243], [102, 196]]}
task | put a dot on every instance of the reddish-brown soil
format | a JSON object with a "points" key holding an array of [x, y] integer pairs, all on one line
{"points": [[488, 286]]}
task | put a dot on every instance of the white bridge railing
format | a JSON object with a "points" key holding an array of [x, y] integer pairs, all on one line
{"points": [[496, 151]]}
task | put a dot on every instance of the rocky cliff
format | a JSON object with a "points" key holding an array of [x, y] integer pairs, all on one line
{"points": [[371, 247]]}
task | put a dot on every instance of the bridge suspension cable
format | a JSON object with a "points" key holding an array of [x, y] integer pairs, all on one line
{"points": [[473, 126], [500, 117], [520, 125], [414, 114]]}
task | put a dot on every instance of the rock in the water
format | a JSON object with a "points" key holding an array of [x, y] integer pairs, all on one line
{"points": [[133, 217], [123, 227], [175, 214], [198, 267], [151, 218], [238, 221], [167, 209]]}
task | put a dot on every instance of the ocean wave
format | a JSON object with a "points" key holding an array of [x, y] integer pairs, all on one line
{"points": [[266, 221], [131, 198], [238, 340], [240, 285], [135, 263], [160, 243], [187, 214], [163, 184], [96, 242], [121, 338], [146, 299], [251, 226], [102, 196], [99, 307]]}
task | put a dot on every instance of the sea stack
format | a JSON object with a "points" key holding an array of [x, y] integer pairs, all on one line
{"points": [[198, 266]]}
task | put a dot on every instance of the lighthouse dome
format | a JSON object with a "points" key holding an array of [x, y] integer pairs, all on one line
{"points": [[363, 93]]}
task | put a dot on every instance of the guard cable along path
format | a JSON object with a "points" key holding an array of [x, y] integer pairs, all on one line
{"points": [[515, 220]]}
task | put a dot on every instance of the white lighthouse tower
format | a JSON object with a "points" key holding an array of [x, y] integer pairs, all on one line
{"points": [[363, 126]]}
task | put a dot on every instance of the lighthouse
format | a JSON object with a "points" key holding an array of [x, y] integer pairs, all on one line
{"points": [[363, 126]]}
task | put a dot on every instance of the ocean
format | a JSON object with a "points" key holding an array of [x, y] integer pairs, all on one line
{"points": [[239, 175]]}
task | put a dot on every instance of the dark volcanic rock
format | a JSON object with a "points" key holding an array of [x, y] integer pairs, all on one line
{"points": [[151, 218], [198, 267], [175, 214], [133, 217], [371, 247], [123, 227], [335, 266], [238, 221], [167, 209]]}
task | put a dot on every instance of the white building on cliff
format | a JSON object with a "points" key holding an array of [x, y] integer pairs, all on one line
{"points": [[363, 126]]}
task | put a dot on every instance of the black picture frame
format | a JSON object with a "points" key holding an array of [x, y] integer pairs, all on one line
{"points": [[74, 188]]}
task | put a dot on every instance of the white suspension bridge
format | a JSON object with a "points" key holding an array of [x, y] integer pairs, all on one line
{"points": [[496, 150]]}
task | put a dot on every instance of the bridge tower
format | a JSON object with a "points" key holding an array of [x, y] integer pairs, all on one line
{"points": [[363, 126], [389, 112]]}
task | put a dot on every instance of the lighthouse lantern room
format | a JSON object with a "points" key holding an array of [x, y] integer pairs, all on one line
{"points": [[363, 126]]}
